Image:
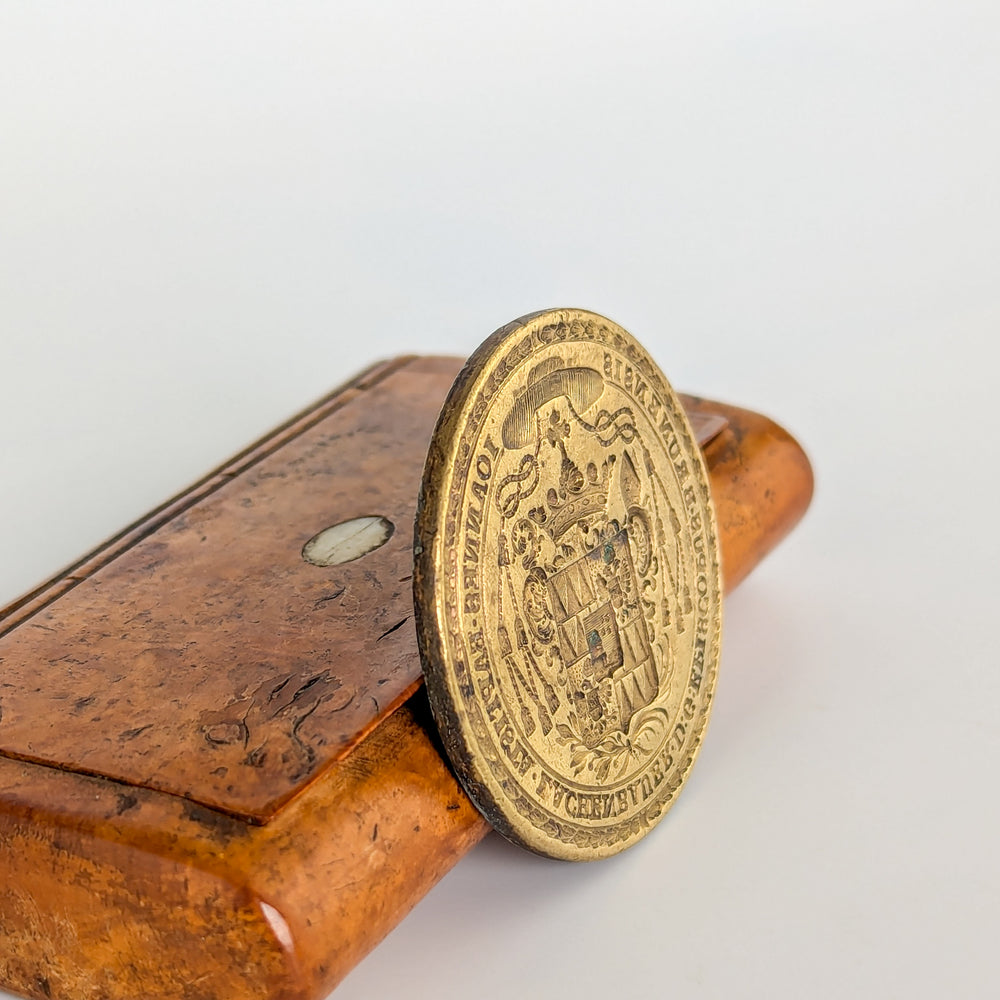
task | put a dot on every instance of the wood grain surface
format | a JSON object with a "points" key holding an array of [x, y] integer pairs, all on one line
{"points": [[218, 775]]}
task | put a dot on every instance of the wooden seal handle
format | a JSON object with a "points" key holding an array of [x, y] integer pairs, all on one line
{"points": [[115, 889]]}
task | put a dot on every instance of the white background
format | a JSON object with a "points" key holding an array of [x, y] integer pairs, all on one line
{"points": [[211, 214]]}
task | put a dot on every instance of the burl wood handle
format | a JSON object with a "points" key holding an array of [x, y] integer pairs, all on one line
{"points": [[117, 890]]}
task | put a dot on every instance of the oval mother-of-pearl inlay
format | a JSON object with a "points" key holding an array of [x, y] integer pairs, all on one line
{"points": [[340, 543]]}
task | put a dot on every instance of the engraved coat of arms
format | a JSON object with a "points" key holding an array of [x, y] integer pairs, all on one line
{"points": [[581, 598]]}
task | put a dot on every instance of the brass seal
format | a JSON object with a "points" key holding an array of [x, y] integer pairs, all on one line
{"points": [[567, 585]]}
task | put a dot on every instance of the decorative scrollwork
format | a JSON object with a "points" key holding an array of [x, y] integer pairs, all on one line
{"points": [[517, 487]]}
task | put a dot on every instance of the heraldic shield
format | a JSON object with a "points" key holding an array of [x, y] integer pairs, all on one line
{"points": [[610, 671]]}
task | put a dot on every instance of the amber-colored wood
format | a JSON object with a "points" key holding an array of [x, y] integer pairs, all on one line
{"points": [[202, 655], [110, 891], [116, 878], [762, 484]]}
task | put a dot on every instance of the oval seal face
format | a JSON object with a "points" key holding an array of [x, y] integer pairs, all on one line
{"points": [[567, 585]]}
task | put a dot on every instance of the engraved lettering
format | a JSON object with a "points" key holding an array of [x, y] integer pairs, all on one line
{"points": [[677, 738], [471, 551], [474, 520]]}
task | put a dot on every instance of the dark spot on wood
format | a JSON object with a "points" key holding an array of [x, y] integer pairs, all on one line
{"points": [[313, 681], [43, 985], [220, 825], [389, 631], [307, 751], [452, 806], [416, 829], [375, 833], [125, 802], [276, 691], [131, 734], [330, 597], [406, 579], [257, 757]]}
